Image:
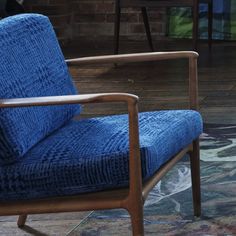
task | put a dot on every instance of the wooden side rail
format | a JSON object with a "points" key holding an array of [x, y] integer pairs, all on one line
{"points": [[134, 57], [68, 99], [153, 56]]}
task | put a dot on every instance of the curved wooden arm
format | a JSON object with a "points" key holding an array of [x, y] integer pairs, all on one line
{"points": [[130, 99], [69, 99], [152, 56], [135, 57]]}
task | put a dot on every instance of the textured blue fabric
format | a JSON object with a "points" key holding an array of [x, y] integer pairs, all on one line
{"points": [[92, 154], [31, 65]]}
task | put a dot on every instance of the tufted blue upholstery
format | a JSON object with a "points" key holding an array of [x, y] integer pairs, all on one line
{"points": [[31, 65], [92, 154]]}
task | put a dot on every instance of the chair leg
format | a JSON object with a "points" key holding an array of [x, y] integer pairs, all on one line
{"points": [[195, 25], [21, 221], [117, 27], [147, 27], [195, 173], [210, 23], [136, 215]]}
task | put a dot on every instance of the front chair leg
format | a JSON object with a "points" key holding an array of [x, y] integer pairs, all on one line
{"points": [[195, 173], [136, 215], [21, 221]]}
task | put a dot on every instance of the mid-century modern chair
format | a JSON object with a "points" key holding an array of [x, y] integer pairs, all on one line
{"points": [[50, 162], [143, 4]]}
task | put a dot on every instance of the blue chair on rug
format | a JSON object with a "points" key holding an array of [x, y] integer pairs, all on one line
{"points": [[50, 162]]}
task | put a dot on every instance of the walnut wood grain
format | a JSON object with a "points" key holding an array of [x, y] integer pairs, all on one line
{"points": [[135, 57], [69, 99]]}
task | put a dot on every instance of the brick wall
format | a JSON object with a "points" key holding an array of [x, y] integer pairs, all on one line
{"points": [[94, 18], [59, 12]]}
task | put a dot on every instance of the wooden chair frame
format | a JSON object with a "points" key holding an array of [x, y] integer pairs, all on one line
{"points": [[131, 198], [143, 4]]}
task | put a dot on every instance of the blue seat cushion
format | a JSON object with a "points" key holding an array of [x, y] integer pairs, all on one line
{"points": [[93, 154], [31, 65]]}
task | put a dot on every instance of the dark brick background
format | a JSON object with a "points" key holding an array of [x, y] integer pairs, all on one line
{"points": [[73, 19]]}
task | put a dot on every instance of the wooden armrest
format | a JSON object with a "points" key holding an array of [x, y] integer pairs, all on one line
{"points": [[135, 57], [69, 99], [152, 56], [130, 99]]}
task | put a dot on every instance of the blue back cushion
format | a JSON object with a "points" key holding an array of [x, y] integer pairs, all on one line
{"points": [[31, 65]]}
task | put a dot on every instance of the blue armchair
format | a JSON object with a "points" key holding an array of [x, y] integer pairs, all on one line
{"points": [[50, 162]]}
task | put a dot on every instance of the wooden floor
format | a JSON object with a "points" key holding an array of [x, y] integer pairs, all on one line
{"points": [[160, 85], [163, 85]]}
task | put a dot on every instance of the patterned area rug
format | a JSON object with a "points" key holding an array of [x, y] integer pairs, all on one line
{"points": [[168, 209]]}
